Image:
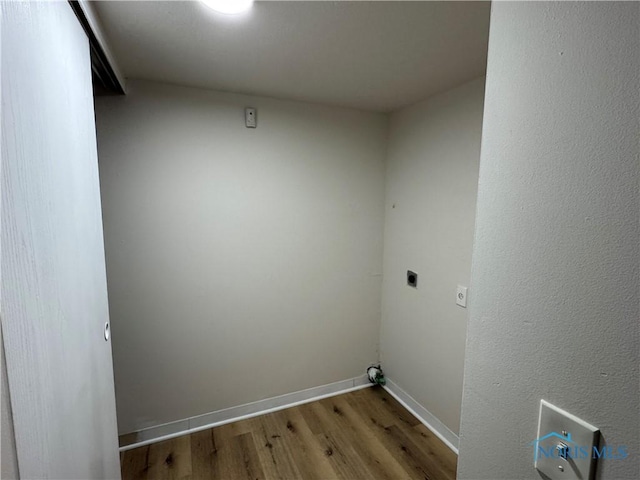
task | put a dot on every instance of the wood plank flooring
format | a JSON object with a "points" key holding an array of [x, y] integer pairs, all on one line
{"points": [[364, 434]]}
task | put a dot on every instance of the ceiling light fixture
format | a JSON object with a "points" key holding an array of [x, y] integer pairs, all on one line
{"points": [[228, 7]]}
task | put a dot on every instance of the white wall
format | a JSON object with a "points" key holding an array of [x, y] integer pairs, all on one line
{"points": [[242, 263], [554, 312], [431, 185]]}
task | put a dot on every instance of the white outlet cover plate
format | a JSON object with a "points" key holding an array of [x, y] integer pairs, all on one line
{"points": [[557, 426], [250, 114], [461, 296]]}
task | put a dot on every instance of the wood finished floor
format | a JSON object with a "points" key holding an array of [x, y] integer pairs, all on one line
{"points": [[364, 434]]}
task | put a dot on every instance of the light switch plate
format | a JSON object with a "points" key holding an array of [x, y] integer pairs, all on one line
{"points": [[564, 447], [461, 296]]}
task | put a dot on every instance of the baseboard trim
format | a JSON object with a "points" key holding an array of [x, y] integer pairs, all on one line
{"points": [[178, 428], [427, 418]]}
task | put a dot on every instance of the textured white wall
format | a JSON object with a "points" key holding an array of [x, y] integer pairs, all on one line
{"points": [[242, 263], [431, 186], [554, 311]]}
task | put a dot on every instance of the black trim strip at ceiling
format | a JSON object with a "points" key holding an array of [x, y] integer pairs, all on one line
{"points": [[102, 70]]}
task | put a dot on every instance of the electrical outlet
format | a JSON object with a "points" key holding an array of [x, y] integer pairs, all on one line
{"points": [[461, 296], [412, 279]]}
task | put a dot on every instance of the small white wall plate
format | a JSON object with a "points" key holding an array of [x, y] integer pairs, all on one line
{"points": [[250, 117], [461, 296], [557, 428]]}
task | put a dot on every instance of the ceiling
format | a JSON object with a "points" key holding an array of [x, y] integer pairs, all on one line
{"points": [[369, 55]]}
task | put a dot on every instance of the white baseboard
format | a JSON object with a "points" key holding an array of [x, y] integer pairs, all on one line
{"points": [[427, 418], [242, 412]]}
